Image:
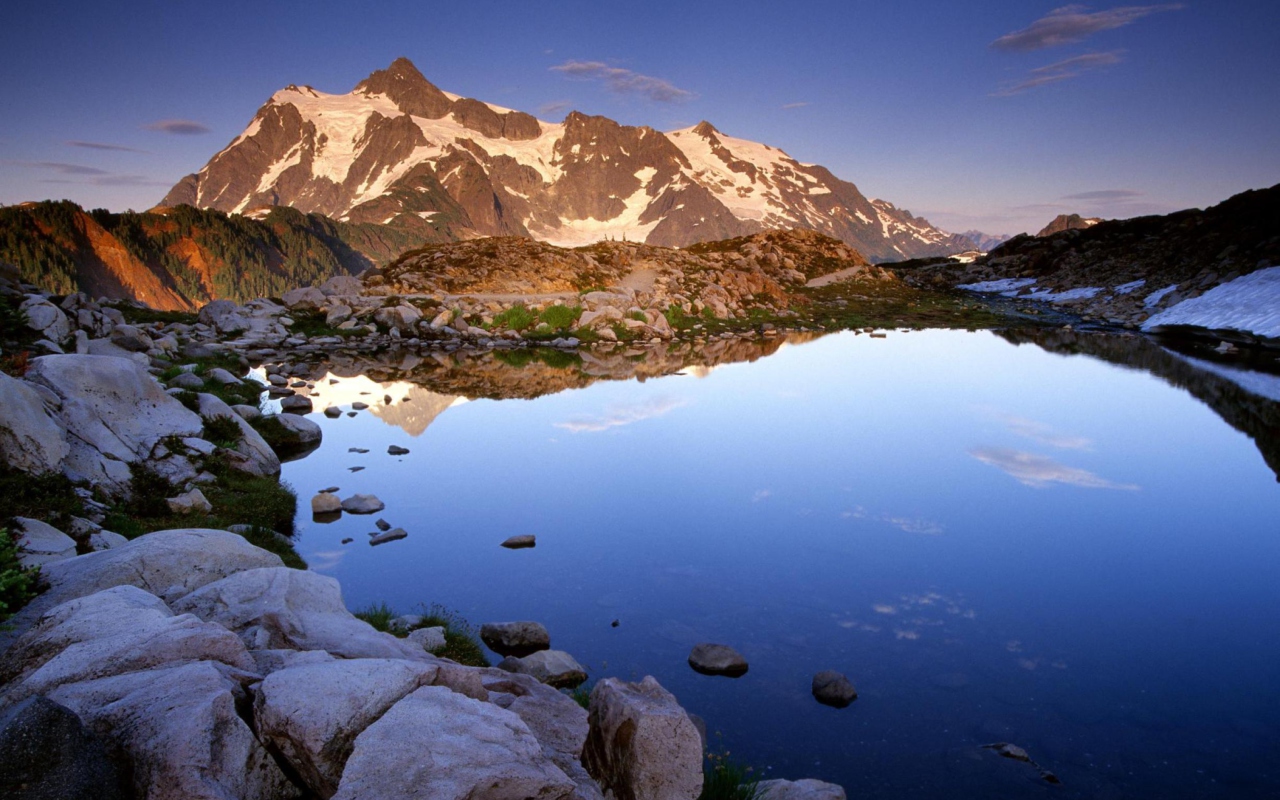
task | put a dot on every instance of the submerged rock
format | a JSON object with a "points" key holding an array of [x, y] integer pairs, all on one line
{"points": [[717, 659], [807, 789]]}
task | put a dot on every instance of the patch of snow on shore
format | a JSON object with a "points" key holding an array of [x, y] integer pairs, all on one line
{"points": [[1002, 285], [1155, 297], [1086, 293], [1250, 303], [1125, 288]]}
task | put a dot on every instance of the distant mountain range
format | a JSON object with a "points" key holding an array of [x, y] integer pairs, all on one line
{"points": [[399, 152], [986, 242]]}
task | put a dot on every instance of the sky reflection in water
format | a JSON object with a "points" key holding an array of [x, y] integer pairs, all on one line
{"points": [[1104, 597]]}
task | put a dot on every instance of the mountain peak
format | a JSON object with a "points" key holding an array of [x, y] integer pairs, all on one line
{"points": [[408, 89], [705, 129]]}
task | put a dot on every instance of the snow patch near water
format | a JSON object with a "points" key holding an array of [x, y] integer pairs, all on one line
{"points": [[1125, 288], [1250, 303], [1155, 297], [1002, 285], [1259, 383]]}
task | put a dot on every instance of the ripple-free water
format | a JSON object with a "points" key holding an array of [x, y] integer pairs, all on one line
{"points": [[994, 542]]}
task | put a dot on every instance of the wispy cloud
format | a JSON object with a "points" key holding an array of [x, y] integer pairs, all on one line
{"points": [[762, 494], [913, 525], [796, 105], [1045, 434], [1108, 195], [1073, 23], [81, 174], [624, 81], [1060, 71], [1039, 472], [180, 127], [119, 148], [554, 109], [619, 416]]}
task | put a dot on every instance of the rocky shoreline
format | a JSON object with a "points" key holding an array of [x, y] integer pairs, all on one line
{"points": [[191, 663]]}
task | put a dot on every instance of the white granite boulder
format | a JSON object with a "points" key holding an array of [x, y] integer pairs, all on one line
{"points": [[31, 439]]}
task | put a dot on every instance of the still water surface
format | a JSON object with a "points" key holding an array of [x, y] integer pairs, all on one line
{"points": [[994, 542]]}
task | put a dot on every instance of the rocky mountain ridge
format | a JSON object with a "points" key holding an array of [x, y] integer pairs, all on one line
{"points": [[1147, 271], [397, 151], [1068, 222]]}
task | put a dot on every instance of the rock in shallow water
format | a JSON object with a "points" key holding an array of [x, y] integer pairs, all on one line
{"points": [[833, 689], [520, 542], [717, 659], [362, 504], [326, 503], [553, 667], [395, 534]]}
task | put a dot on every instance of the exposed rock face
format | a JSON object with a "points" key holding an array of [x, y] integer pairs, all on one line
{"points": [[180, 731], [40, 543], [312, 714], [114, 412], [168, 564], [642, 745], [397, 151], [288, 608], [47, 753], [445, 761], [31, 440], [1067, 222]]}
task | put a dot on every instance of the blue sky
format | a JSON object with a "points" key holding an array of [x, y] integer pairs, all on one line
{"points": [[995, 116]]}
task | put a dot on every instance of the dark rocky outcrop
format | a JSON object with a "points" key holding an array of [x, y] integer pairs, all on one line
{"points": [[47, 753]]}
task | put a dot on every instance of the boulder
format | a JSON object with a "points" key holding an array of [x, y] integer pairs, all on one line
{"points": [[337, 315], [168, 564], [260, 459], [31, 439], [289, 608], [717, 659], [807, 789], [115, 413], [105, 540], [362, 504], [401, 318], [833, 689], [552, 667], [307, 298], [343, 285], [130, 338], [246, 412], [47, 753], [641, 743], [309, 435], [326, 503], [515, 638], [190, 502], [40, 543], [556, 720], [461, 749], [224, 316], [118, 630], [46, 319], [186, 380], [180, 731], [430, 639], [221, 376], [312, 714]]}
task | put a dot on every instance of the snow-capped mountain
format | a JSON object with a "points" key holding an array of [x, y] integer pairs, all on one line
{"points": [[398, 151]]}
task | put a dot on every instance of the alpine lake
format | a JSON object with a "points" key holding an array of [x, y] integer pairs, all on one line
{"points": [[1065, 541]]}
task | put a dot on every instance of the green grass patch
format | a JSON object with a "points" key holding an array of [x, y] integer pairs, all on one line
{"points": [[50, 498], [726, 779], [17, 584], [141, 315], [223, 431], [581, 694], [516, 318], [461, 640], [559, 316], [267, 504], [312, 323]]}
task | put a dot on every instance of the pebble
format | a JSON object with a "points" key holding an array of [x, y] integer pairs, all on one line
{"points": [[520, 542], [833, 689], [383, 525], [333, 412], [396, 450]]}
